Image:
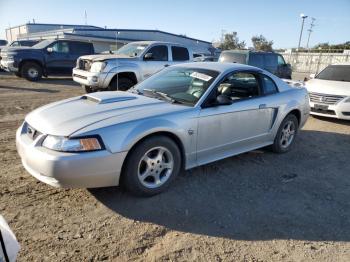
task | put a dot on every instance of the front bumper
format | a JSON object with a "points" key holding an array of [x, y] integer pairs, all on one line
{"points": [[69, 170], [8, 65], [341, 110], [89, 79]]}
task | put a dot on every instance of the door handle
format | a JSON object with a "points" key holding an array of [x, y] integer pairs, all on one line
{"points": [[262, 106]]}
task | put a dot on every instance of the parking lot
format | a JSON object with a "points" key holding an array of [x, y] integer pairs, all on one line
{"points": [[258, 206]]}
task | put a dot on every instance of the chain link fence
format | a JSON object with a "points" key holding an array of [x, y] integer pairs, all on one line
{"points": [[313, 62]]}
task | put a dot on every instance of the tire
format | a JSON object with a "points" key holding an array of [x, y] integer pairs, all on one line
{"points": [[284, 139], [32, 71], [146, 163], [120, 84], [87, 89], [18, 74]]}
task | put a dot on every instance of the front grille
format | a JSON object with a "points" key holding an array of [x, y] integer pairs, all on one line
{"points": [[85, 64], [320, 111], [325, 99], [32, 133], [79, 76]]}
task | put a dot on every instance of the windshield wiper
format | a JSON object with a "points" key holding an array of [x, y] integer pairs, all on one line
{"points": [[161, 95]]}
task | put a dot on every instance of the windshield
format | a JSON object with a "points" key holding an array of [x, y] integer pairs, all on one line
{"points": [[335, 73], [132, 50], [42, 44], [178, 84]]}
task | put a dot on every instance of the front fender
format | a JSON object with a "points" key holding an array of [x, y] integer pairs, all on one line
{"points": [[123, 67]]}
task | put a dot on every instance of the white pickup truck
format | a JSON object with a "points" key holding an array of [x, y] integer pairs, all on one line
{"points": [[129, 65]]}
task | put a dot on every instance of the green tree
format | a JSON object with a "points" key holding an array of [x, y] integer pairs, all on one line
{"points": [[231, 41], [261, 43]]}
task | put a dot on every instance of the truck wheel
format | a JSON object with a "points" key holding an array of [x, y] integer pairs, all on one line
{"points": [[121, 84], [18, 74], [32, 71], [285, 135], [88, 89], [151, 166]]}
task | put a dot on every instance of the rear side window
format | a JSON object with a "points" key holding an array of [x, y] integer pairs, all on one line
{"points": [[269, 85], [159, 53], [270, 60], [180, 53], [256, 60], [230, 57], [80, 48]]}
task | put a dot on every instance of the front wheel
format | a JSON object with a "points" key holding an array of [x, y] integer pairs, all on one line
{"points": [[152, 166], [32, 71], [120, 84], [286, 134], [87, 89]]}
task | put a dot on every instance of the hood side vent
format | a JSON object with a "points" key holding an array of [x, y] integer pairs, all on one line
{"points": [[108, 100]]}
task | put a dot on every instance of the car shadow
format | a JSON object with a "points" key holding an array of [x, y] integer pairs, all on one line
{"points": [[40, 90], [332, 120], [66, 81], [302, 195]]}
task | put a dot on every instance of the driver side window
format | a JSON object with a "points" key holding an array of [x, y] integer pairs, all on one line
{"points": [[239, 86], [60, 47], [159, 53]]}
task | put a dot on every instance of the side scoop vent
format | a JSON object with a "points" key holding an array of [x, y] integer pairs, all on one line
{"points": [[101, 99]]}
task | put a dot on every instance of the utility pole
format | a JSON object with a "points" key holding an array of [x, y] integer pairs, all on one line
{"points": [[303, 17], [310, 31], [85, 17]]}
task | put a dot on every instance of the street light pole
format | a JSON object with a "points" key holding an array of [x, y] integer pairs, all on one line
{"points": [[303, 17]]}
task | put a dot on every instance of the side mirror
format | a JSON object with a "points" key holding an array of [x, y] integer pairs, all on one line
{"points": [[49, 49], [222, 100], [312, 76], [148, 56]]}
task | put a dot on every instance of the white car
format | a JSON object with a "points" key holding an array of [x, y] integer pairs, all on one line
{"points": [[329, 92]]}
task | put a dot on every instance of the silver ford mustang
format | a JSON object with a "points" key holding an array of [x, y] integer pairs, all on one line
{"points": [[184, 116]]}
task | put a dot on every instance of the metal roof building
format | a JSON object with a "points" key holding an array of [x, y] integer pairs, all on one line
{"points": [[102, 38]]}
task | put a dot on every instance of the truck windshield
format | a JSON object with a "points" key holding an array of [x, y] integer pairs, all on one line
{"points": [[42, 44], [178, 84], [132, 50], [335, 73]]}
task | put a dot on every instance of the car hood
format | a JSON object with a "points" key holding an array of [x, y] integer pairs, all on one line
{"points": [[65, 117], [19, 49], [328, 87], [102, 57]]}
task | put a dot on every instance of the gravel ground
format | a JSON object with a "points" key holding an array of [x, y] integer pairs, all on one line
{"points": [[257, 206]]}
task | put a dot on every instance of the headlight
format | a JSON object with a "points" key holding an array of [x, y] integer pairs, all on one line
{"points": [[97, 67], [347, 100], [64, 144]]}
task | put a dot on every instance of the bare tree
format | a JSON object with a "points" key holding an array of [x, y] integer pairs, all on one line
{"points": [[261, 43], [231, 41]]}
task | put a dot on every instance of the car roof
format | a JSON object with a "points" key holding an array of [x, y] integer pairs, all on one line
{"points": [[247, 52], [218, 66], [156, 42]]}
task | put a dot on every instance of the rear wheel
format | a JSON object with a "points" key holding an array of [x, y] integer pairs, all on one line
{"points": [[286, 134], [121, 84], [152, 166], [32, 71], [87, 89]]}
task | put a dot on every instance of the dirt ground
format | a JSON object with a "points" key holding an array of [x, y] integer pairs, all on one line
{"points": [[257, 206]]}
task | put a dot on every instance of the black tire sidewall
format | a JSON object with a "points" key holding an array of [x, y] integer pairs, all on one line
{"points": [[276, 147], [29, 65], [130, 178], [120, 84]]}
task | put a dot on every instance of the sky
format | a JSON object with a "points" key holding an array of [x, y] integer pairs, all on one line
{"points": [[277, 20]]}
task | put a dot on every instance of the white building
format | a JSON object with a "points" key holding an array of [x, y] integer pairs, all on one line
{"points": [[103, 39]]}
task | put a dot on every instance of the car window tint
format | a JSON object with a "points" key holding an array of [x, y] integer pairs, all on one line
{"points": [[180, 53], [159, 53], [61, 47], [269, 85], [80, 48], [270, 60], [256, 60], [239, 86]]}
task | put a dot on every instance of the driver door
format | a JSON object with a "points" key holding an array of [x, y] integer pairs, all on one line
{"points": [[245, 124], [154, 60], [58, 61]]}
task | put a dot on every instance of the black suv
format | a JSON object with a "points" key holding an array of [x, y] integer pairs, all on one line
{"points": [[272, 62], [49, 57]]}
